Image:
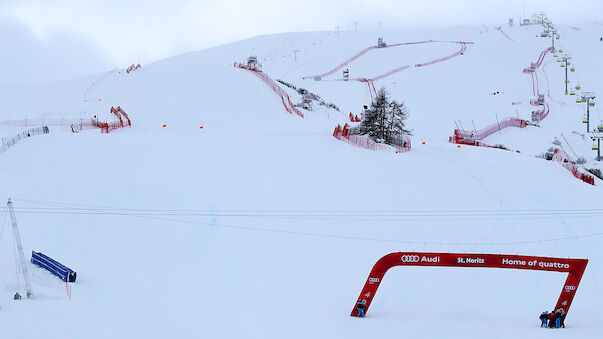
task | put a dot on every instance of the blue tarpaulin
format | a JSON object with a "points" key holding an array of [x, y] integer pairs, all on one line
{"points": [[53, 266]]}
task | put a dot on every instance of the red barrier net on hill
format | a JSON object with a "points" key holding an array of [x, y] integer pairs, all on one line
{"points": [[275, 87], [560, 156], [471, 137], [107, 127], [503, 32], [344, 134], [132, 68]]}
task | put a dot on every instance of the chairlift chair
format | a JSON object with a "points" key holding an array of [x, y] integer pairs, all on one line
{"points": [[595, 146], [577, 86], [572, 93], [572, 69], [578, 100], [591, 104], [584, 120], [562, 65]]}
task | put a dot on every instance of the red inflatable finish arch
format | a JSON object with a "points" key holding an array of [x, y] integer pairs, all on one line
{"points": [[574, 267]]}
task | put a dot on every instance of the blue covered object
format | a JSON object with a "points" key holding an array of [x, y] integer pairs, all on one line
{"points": [[65, 273]]}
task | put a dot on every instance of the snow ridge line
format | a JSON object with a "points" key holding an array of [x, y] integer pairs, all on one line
{"points": [[286, 100]]}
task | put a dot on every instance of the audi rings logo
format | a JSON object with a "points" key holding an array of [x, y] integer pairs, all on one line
{"points": [[373, 281], [570, 288], [410, 258]]}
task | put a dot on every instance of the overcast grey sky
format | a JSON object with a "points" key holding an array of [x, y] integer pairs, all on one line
{"points": [[67, 38]]}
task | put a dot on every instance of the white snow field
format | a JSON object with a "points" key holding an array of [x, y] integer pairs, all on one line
{"points": [[262, 225]]}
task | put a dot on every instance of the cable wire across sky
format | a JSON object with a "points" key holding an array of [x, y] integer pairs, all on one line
{"points": [[170, 215]]}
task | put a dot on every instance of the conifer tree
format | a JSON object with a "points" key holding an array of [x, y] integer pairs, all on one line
{"points": [[384, 121]]}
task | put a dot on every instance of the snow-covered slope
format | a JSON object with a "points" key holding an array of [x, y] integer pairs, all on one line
{"points": [[262, 225]]}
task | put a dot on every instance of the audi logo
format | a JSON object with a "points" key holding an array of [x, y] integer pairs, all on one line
{"points": [[410, 258], [570, 288]]}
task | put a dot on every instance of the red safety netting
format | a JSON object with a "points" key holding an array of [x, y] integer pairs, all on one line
{"points": [[573, 267], [459, 52], [132, 68], [471, 137], [275, 87], [364, 141], [107, 127], [342, 65], [562, 157], [398, 69], [503, 32]]}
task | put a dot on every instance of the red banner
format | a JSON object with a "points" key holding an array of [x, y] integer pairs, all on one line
{"points": [[574, 267]]}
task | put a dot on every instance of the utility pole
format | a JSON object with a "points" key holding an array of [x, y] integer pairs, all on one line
{"points": [[337, 28], [297, 50], [566, 58], [356, 26], [20, 248], [588, 96]]}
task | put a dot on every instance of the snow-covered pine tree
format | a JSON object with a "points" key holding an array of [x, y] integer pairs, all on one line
{"points": [[397, 114], [375, 120]]}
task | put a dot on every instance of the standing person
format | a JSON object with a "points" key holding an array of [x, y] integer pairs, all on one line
{"points": [[361, 307], [558, 318], [544, 318], [562, 318], [552, 319]]}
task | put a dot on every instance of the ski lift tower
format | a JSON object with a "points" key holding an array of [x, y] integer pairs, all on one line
{"points": [[597, 135], [252, 63], [381, 43], [588, 97], [566, 58], [554, 36], [346, 74]]}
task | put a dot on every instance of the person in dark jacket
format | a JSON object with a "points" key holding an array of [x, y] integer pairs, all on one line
{"points": [[552, 319], [562, 318], [558, 318], [544, 318], [361, 307]]}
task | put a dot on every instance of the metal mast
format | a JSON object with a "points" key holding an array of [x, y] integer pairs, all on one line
{"points": [[19, 248]]}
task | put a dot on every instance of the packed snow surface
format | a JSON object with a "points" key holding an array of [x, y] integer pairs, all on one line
{"points": [[240, 220]]}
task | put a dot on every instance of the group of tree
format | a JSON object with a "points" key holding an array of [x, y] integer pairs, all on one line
{"points": [[384, 120]]}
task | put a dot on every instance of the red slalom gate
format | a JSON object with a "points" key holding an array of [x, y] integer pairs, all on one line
{"points": [[574, 267]]}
